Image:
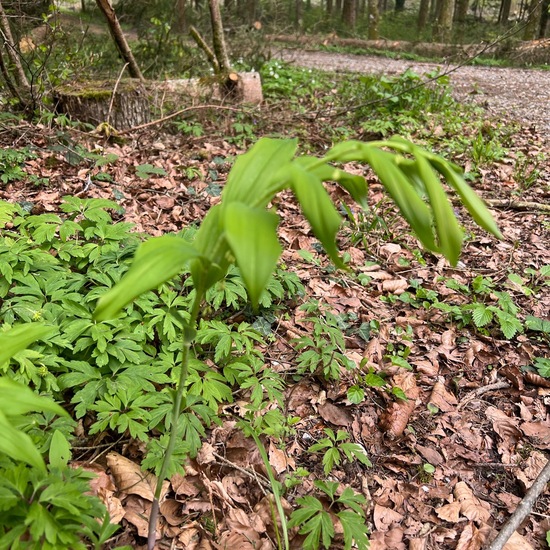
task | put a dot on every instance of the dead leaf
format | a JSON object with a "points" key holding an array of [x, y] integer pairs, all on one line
{"points": [[470, 506], [171, 511], [279, 459], [533, 467], [335, 415], [449, 512], [444, 400], [384, 517], [130, 479], [395, 286]]}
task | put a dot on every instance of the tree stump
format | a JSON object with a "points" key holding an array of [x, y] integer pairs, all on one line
{"points": [[121, 105], [135, 102]]}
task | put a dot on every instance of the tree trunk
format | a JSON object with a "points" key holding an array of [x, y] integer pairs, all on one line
{"points": [[534, 16], [423, 14], [399, 5], [330, 7], [218, 39], [338, 8], [122, 106], [444, 23], [374, 19], [461, 10], [348, 14], [504, 12], [544, 18], [251, 11], [181, 24], [15, 66], [297, 13], [118, 37]]}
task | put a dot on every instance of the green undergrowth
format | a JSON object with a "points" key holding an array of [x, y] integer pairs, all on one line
{"points": [[418, 106]]}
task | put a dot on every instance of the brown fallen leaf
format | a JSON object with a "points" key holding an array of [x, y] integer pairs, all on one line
{"points": [[470, 506], [279, 459], [444, 400], [395, 286], [395, 418], [130, 479], [171, 511], [449, 512], [385, 517], [338, 416]]}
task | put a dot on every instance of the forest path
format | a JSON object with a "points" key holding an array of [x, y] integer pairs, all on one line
{"points": [[522, 95]]}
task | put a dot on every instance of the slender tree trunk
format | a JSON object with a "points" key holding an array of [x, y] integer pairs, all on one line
{"points": [[338, 8], [251, 11], [423, 14], [534, 16], [119, 38], [15, 67], [297, 13], [348, 14], [181, 24], [504, 12], [399, 5], [329, 8], [374, 19], [444, 23], [218, 39], [544, 18], [461, 10]]}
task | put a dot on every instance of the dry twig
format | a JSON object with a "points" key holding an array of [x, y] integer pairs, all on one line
{"points": [[523, 510]]}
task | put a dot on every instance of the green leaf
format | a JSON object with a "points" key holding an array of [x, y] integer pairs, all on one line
{"points": [[449, 234], [211, 243], [16, 399], [481, 315], [143, 171], [253, 178], [252, 236], [18, 445], [60, 450], [355, 530], [156, 261], [473, 203], [401, 190], [318, 209], [356, 394], [19, 337], [355, 185]]}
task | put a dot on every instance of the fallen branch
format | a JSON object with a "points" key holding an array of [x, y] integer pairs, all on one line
{"points": [[173, 115], [523, 510], [480, 391], [517, 205]]}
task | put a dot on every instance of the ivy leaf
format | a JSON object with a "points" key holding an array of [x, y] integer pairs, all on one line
{"points": [[156, 261], [252, 236]]}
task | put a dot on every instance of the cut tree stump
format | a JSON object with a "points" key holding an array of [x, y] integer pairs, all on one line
{"points": [[94, 103], [131, 102]]}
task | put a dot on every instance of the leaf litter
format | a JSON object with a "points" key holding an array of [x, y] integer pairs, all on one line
{"points": [[465, 405]]}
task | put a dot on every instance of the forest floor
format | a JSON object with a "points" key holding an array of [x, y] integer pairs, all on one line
{"points": [[452, 462]]}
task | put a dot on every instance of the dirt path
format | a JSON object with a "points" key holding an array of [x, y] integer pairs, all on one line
{"points": [[517, 94]]}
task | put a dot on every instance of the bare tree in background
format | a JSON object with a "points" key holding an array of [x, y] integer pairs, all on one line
{"points": [[119, 38]]}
